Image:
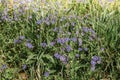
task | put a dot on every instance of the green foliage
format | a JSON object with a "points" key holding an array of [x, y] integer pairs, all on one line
{"points": [[60, 42]]}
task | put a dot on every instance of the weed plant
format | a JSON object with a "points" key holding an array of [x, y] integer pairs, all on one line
{"points": [[60, 40]]}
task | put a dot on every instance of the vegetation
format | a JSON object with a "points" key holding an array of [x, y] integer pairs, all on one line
{"points": [[60, 40]]}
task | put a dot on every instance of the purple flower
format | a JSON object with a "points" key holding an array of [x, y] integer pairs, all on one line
{"points": [[21, 37], [95, 58], [4, 66], [93, 63], [80, 49], [85, 29], [77, 55], [99, 60], [63, 59], [53, 21], [38, 22], [63, 49], [57, 55], [29, 45], [77, 32], [46, 74], [52, 43], [85, 49], [92, 68], [66, 39], [16, 41], [102, 49], [24, 66], [60, 40], [68, 48], [43, 44], [74, 39]]}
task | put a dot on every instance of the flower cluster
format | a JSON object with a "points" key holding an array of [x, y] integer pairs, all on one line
{"points": [[62, 58], [3, 67], [19, 40], [95, 60], [46, 74], [27, 44]]}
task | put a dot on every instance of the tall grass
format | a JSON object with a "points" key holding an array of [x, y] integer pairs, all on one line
{"points": [[60, 40]]}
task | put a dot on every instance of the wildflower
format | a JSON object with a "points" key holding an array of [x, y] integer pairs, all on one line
{"points": [[43, 44], [63, 59], [85, 49], [57, 55], [63, 49], [77, 55], [99, 60], [92, 68], [53, 21], [80, 49], [52, 43], [66, 39], [24, 66], [95, 58], [68, 48], [60, 40], [74, 39], [85, 29], [4, 66], [21, 37], [94, 61], [102, 49], [46, 74], [77, 32], [29, 45], [16, 41], [38, 22]]}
